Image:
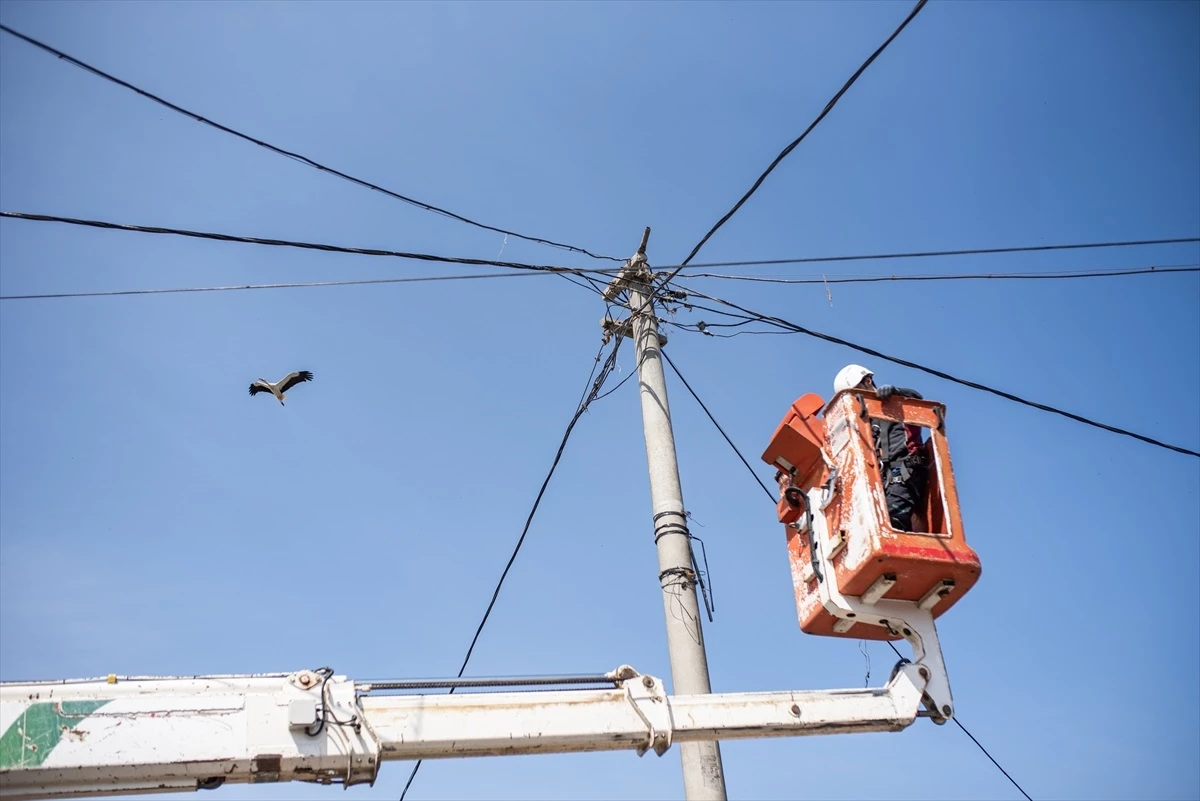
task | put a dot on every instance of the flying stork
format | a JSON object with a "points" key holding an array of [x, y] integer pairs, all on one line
{"points": [[289, 381]]}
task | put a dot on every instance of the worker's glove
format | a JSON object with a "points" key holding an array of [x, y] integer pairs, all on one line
{"points": [[886, 391]]}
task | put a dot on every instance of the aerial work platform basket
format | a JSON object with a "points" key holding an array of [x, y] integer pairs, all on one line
{"points": [[832, 496]]}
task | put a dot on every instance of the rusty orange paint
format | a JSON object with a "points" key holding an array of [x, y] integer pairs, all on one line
{"points": [[796, 444], [920, 560]]}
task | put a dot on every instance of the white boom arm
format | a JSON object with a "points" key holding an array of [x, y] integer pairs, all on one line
{"points": [[96, 737]]}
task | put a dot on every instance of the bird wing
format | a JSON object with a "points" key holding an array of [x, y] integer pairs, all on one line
{"points": [[292, 379], [259, 386]]}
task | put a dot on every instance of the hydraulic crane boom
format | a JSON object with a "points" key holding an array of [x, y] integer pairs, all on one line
{"points": [[107, 736]]}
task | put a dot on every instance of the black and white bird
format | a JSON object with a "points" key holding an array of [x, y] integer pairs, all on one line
{"points": [[290, 380]]}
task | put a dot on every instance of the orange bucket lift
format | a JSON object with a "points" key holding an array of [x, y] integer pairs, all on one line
{"points": [[854, 574]]}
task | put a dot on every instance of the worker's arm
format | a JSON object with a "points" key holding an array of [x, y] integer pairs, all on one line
{"points": [[887, 390]]}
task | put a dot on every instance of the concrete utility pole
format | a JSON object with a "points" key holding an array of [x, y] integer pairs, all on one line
{"points": [[703, 775]]}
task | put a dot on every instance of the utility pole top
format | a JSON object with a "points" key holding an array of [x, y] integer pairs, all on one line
{"points": [[632, 267]]}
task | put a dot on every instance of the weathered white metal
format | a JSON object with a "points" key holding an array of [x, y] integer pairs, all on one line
{"points": [[94, 737], [912, 620]]}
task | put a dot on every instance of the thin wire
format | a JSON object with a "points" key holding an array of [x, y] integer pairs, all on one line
{"points": [[591, 282], [287, 243], [415, 279], [620, 384], [937, 253], [688, 386], [958, 723], [596, 385], [298, 157], [784, 153], [784, 324], [979, 744], [1152, 270]]}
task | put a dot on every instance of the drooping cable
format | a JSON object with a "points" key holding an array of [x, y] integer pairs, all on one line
{"points": [[290, 154], [873, 279], [596, 384], [787, 150], [938, 253], [972, 736], [287, 243], [799, 329], [236, 287], [696, 397]]}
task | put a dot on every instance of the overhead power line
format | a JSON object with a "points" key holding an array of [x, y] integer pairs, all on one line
{"points": [[999, 767], [874, 279], [290, 154], [595, 386], [696, 397], [787, 150], [287, 243], [799, 329], [977, 743], [236, 287], [936, 253]]}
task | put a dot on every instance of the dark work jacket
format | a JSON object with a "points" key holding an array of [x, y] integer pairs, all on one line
{"points": [[895, 440]]}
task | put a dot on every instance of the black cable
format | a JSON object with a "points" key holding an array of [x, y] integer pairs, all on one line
{"points": [[286, 243], [936, 253], [596, 385], [784, 153], [872, 279], [596, 285], [364, 281], [620, 384], [290, 154], [326, 714], [784, 324], [688, 386], [591, 282], [958, 723], [703, 577]]}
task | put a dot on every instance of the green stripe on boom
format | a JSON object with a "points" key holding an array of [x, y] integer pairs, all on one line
{"points": [[32, 736]]}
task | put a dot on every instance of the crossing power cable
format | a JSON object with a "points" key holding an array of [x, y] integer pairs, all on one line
{"points": [[787, 150], [938, 253], [596, 384], [290, 154], [799, 329], [782, 155], [287, 243], [737, 451], [696, 397], [872, 279]]}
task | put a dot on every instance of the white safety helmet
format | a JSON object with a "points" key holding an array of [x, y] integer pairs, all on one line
{"points": [[849, 377]]}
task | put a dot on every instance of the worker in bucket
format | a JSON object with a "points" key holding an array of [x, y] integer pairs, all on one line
{"points": [[902, 462]]}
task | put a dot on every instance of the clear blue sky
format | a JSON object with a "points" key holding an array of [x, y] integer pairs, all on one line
{"points": [[157, 520]]}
